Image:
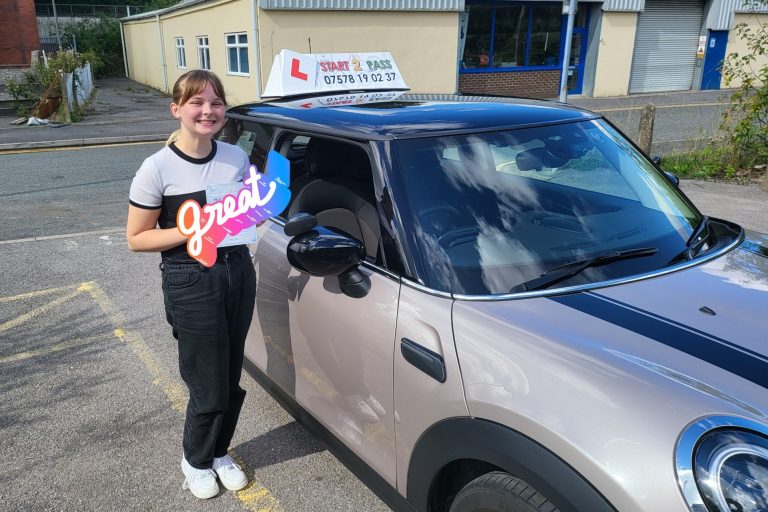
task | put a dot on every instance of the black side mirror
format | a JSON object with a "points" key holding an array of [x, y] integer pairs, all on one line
{"points": [[299, 223], [673, 179], [324, 253]]}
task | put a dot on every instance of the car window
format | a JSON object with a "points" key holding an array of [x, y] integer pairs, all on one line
{"points": [[588, 170], [493, 210], [253, 138], [333, 180]]}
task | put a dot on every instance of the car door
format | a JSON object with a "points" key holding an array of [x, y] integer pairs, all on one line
{"points": [[331, 352]]}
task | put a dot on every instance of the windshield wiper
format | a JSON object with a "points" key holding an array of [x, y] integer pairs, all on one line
{"points": [[562, 272], [695, 241]]}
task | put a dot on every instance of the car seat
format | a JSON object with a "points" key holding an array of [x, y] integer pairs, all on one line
{"points": [[338, 189]]}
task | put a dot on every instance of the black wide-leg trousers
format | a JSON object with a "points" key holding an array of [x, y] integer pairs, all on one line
{"points": [[210, 311]]}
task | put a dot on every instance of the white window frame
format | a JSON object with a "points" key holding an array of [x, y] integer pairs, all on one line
{"points": [[237, 45], [203, 53], [181, 54]]}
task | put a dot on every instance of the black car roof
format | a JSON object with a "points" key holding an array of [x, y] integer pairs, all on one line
{"points": [[413, 116]]}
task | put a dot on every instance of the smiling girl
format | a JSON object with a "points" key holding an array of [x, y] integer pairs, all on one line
{"points": [[209, 309]]}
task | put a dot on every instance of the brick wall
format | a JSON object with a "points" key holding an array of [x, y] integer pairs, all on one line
{"points": [[18, 32], [529, 84]]}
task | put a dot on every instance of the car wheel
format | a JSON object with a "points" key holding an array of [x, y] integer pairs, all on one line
{"points": [[500, 491]]}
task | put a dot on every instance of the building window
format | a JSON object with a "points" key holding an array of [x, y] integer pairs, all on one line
{"points": [[203, 53], [181, 57], [237, 53], [546, 29], [510, 36], [514, 36]]}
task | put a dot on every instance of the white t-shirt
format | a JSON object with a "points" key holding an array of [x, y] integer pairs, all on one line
{"points": [[169, 177]]}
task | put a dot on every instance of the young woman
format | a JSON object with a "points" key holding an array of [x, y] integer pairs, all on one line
{"points": [[209, 309]]}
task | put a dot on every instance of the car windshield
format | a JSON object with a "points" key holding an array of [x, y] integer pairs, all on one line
{"points": [[492, 211]]}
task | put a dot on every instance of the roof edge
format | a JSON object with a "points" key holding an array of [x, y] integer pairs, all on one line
{"points": [[365, 5], [152, 14]]}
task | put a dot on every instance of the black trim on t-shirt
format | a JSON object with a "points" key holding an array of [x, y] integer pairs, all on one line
{"points": [[192, 160], [143, 206]]}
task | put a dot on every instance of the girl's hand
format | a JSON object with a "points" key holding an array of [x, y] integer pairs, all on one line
{"points": [[143, 235]]}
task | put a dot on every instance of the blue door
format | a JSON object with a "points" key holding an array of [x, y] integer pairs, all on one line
{"points": [[716, 46]]}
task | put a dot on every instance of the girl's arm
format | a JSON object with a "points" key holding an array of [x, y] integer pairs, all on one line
{"points": [[143, 235]]}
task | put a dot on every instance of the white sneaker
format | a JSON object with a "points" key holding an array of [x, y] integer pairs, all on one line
{"points": [[202, 482], [230, 474]]}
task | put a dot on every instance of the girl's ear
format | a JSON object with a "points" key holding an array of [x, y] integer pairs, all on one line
{"points": [[175, 110]]}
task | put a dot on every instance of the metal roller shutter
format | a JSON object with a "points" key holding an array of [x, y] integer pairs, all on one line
{"points": [[665, 48]]}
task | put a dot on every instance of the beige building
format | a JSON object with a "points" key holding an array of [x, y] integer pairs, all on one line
{"points": [[219, 35], [619, 47]]}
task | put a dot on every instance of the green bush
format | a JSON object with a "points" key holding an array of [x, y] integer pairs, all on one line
{"points": [[101, 37], [746, 122]]}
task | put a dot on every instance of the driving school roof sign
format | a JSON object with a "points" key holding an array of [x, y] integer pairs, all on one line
{"points": [[296, 73]]}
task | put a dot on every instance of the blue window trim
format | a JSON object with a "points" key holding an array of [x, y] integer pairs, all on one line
{"points": [[516, 69], [529, 6]]}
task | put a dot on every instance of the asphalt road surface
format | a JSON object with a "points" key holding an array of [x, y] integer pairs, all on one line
{"points": [[92, 404], [67, 191]]}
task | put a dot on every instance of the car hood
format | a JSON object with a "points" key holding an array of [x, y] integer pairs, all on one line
{"points": [[717, 311], [705, 323]]}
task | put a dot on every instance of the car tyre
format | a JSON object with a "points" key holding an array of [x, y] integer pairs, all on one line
{"points": [[499, 491]]}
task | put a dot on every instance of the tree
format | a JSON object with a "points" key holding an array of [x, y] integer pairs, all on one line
{"points": [[100, 36]]}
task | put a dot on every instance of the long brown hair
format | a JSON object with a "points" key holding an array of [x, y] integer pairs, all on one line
{"points": [[191, 83]]}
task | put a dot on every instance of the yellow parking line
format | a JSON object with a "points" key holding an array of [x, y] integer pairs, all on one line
{"points": [[255, 497], [29, 295], [10, 324], [176, 394], [20, 356]]}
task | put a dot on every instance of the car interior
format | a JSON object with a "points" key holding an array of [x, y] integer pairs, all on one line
{"points": [[332, 180]]}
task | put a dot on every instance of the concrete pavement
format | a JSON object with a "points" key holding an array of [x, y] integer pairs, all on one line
{"points": [[123, 111]]}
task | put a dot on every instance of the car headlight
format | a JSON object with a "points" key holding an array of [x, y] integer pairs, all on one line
{"points": [[722, 465]]}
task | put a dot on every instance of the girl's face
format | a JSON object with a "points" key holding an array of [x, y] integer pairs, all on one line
{"points": [[202, 115]]}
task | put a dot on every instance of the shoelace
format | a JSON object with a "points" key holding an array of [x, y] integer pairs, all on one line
{"points": [[227, 464], [199, 474]]}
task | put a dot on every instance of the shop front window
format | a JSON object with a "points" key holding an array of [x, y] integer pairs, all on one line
{"points": [[510, 36], [478, 45], [545, 36], [516, 35]]}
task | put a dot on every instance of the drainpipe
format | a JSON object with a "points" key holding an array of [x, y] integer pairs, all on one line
{"points": [[125, 55], [567, 53], [162, 53], [256, 50]]}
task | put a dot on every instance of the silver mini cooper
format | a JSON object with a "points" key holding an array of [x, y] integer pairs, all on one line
{"points": [[503, 305]]}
